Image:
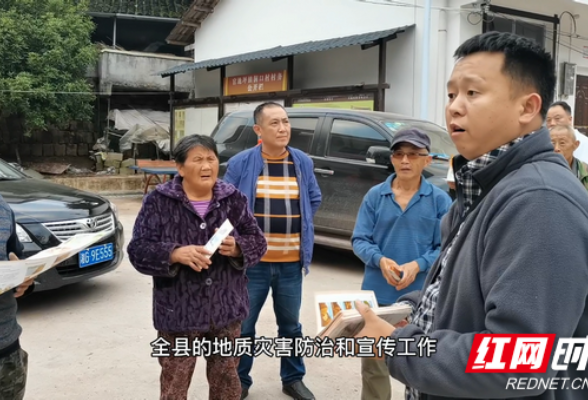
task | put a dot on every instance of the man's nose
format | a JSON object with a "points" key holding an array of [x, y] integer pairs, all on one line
{"points": [[456, 106]]}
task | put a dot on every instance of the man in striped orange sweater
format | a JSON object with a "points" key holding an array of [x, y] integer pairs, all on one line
{"points": [[284, 195]]}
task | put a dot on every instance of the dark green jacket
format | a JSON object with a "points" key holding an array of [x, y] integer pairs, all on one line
{"points": [[582, 173]]}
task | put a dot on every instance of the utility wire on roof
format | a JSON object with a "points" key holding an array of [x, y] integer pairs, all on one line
{"points": [[88, 93]]}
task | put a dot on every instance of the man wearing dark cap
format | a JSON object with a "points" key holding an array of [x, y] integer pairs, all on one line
{"points": [[398, 229]]}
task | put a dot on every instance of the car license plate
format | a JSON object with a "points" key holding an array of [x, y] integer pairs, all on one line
{"points": [[96, 255]]}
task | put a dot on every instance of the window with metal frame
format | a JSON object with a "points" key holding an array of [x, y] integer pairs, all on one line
{"points": [[352, 139], [303, 129]]}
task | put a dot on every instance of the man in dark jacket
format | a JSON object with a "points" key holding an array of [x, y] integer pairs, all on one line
{"points": [[13, 359], [513, 250]]}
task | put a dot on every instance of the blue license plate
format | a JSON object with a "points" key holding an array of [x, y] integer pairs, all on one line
{"points": [[96, 255]]}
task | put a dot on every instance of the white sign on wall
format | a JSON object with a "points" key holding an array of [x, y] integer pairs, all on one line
{"points": [[197, 120]]}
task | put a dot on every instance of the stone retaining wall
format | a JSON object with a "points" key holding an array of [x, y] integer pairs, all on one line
{"points": [[103, 184], [74, 141]]}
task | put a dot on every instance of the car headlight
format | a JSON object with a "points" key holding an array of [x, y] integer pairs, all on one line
{"points": [[114, 209], [23, 236]]}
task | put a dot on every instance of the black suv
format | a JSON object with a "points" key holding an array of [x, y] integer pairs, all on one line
{"points": [[47, 214], [350, 151]]}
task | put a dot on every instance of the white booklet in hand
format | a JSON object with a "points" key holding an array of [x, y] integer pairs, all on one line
{"points": [[220, 235]]}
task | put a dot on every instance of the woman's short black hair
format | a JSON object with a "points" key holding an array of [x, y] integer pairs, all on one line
{"points": [[187, 143]]}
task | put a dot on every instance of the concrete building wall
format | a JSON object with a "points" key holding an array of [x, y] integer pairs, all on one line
{"points": [[139, 70], [244, 26], [260, 26], [451, 23], [570, 48]]}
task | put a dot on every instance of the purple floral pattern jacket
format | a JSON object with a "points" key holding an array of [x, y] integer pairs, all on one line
{"points": [[185, 300]]}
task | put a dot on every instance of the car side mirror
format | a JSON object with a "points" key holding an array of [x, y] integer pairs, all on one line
{"points": [[379, 155]]}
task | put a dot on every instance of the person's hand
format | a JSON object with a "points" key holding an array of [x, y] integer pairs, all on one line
{"points": [[22, 288], [409, 274], [401, 324], [387, 265], [375, 327], [193, 256], [229, 247]]}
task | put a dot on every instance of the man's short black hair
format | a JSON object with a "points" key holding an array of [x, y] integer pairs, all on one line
{"points": [[563, 105], [258, 112], [524, 61]]}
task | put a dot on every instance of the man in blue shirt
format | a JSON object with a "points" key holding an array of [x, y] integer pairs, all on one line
{"points": [[398, 229]]}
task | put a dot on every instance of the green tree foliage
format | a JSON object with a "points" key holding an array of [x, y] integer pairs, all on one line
{"points": [[45, 52]]}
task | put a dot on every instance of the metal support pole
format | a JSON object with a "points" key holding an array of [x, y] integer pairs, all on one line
{"points": [[290, 72], [114, 34], [172, 134], [107, 115], [425, 61], [555, 43], [381, 96], [221, 102]]}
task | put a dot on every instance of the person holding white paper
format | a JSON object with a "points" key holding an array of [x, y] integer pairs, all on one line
{"points": [[199, 292], [13, 358]]}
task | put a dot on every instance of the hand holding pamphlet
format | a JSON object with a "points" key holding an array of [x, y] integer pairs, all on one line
{"points": [[338, 317], [217, 239], [13, 273]]}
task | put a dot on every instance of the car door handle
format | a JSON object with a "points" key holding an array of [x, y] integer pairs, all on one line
{"points": [[324, 171]]}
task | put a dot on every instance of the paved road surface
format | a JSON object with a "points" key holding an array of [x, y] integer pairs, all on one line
{"points": [[91, 340]]}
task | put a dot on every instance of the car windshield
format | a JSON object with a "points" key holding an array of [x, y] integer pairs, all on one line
{"points": [[441, 143], [8, 173]]}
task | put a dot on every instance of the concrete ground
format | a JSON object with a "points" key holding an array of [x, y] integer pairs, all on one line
{"points": [[91, 340]]}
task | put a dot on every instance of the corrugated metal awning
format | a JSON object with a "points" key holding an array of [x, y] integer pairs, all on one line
{"points": [[285, 51]]}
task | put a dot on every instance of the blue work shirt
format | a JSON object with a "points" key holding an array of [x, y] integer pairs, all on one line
{"points": [[383, 229]]}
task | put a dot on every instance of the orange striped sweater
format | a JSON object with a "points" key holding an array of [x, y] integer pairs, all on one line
{"points": [[277, 209]]}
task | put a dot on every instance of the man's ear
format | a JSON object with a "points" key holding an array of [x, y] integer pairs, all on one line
{"points": [[530, 108], [257, 129]]}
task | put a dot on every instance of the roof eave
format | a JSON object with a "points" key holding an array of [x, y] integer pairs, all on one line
{"points": [[191, 20]]}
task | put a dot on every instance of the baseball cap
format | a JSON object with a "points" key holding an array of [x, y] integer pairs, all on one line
{"points": [[413, 136]]}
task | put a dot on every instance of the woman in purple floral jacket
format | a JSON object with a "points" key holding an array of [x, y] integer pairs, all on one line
{"points": [[196, 298]]}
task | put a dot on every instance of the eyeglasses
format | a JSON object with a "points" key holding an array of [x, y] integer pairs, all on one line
{"points": [[399, 155]]}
